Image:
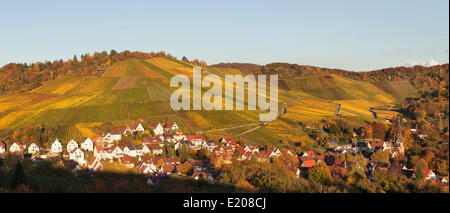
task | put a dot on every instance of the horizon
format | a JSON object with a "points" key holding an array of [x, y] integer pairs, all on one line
{"points": [[354, 36]]}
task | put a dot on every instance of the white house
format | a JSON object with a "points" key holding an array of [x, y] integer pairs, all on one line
{"points": [[170, 126], [297, 172], [133, 151], [77, 155], [95, 164], [56, 147], [88, 145], [179, 137], [203, 175], [16, 147], [127, 161], [72, 145], [99, 152], [156, 149], [196, 140], [111, 137], [114, 152], [429, 174], [245, 155], [146, 148], [275, 153], [308, 154], [144, 169], [2, 148], [149, 162], [33, 149], [211, 145], [137, 127], [127, 131], [178, 144], [169, 138], [444, 180], [250, 148], [157, 129]]}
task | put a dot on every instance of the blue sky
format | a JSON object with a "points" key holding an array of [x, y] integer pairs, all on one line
{"points": [[354, 35]]}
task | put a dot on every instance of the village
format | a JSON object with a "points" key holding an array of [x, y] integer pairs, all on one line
{"points": [[148, 159]]}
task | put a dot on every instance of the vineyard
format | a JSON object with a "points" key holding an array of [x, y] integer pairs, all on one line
{"points": [[171, 66], [67, 133], [125, 82], [137, 88]]}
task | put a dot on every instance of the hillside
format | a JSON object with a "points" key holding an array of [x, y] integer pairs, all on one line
{"points": [[131, 88], [127, 90]]}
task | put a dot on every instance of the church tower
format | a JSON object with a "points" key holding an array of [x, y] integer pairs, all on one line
{"points": [[399, 140]]}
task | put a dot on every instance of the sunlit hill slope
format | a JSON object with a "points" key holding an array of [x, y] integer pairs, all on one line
{"points": [[134, 88]]}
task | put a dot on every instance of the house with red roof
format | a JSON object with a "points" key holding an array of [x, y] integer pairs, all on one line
{"points": [[133, 151], [95, 164], [87, 145], [308, 164], [127, 161], [179, 137], [137, 127], [115, 134], [169, 138], [113, 152], [197, 141], [72, 145], [56, 146], [211, 145], [146, 170], [243, 155], [379, 145], [263, 155], [203, 176], [34, 148], [228, 141], [157, 128], [156, 149], [99, 152], [167, 169], [171, 161], [444, 180], [275, 153], [308, 154], [251, 148], [16, 147], [150, 162], [2, 148], [98, 140], [78, 156], [169, 125], [428, 174]]}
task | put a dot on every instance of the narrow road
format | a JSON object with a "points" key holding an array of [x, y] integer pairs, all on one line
{"points": [[250, 130], [231, 127], [279, 114], [252, 124]]}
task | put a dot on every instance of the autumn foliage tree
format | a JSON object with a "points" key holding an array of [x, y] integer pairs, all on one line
{"points": [[379, 130], [320, 174]]}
